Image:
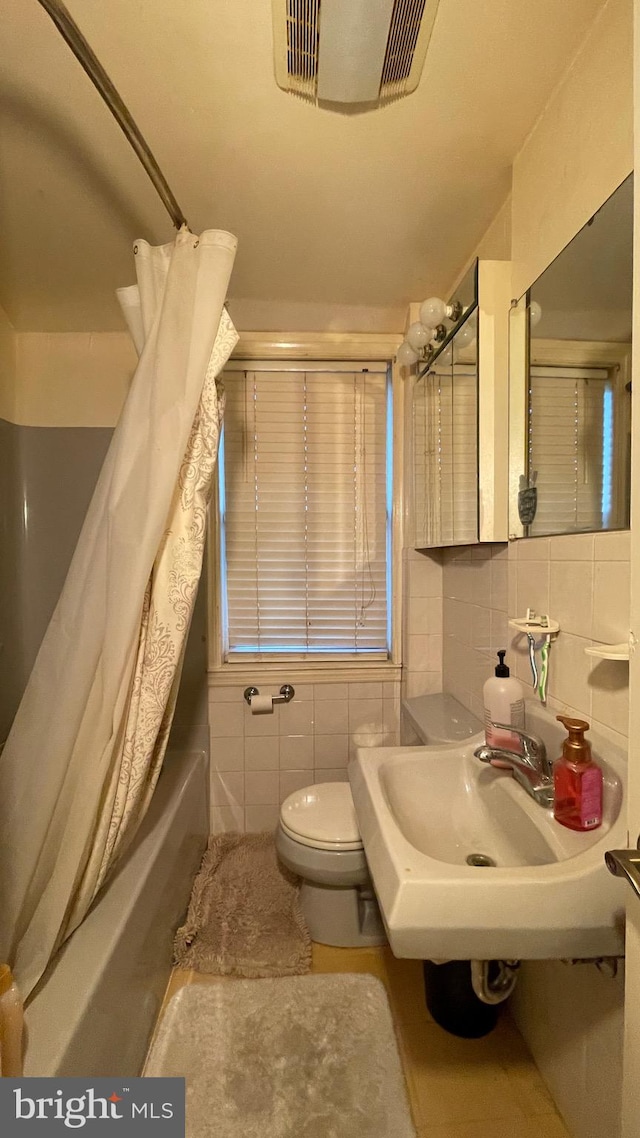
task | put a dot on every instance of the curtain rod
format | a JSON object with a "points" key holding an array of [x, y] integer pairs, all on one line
{"points": [[87, 58]]}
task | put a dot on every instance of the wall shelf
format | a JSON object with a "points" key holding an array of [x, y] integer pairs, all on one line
{"points": [[609, 651]]}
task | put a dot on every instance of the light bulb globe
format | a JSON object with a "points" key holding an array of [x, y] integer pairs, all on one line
{"points": [[432, 312], [406, 356], [418, 336]]}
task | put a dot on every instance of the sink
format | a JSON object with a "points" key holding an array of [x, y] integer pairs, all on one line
{"points": [[467, 866]]}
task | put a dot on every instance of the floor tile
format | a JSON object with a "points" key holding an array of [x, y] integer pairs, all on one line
{"points": [[458, 1088], [550, 1126]]}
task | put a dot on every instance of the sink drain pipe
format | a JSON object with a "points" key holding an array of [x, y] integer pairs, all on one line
{"points": [[493, 981]]}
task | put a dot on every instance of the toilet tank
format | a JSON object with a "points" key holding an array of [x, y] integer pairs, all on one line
{"points": [[436, 719]]}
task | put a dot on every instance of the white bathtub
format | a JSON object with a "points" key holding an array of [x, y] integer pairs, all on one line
{"points": [[95, 1008]]}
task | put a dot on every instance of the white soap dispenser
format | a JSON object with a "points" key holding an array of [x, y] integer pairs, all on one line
{"points": [[503, 703]]}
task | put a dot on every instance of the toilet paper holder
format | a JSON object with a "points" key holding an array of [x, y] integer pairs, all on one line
{"points": [[286, 694]]}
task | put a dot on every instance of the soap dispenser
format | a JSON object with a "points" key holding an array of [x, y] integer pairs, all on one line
{"points": [[577, 780], [503, 703]]}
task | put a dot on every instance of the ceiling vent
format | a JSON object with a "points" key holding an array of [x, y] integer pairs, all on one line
{"points": [[353, 53]]}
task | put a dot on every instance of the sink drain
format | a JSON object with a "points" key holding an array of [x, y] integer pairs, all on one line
{"points": [[480, 859]]}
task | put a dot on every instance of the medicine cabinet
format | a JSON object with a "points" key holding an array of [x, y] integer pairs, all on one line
{"points": [[570, 383], [459, 420]]}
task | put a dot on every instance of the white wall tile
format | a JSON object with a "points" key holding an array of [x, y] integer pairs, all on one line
{"points": [[609, 682], [422, 683], [226, 719], [262, 724], [390, 715], [226, 819], [262, 753], [425, 577], [304, 692], [614, 546], [297, 718], [569, 669], [323, 692], [296, 752], [533, 586], [331, 750], [611, 602], [499, 582], [425, 615], [331, 718], [226, 695], [290, 781], [458, 620], [339, 774], [570, 595], [227, 754], [365, 715], [227, 789], [261, 788], [572, 547], [258, 818], [480, 627], [533, 549], [365, 691]]}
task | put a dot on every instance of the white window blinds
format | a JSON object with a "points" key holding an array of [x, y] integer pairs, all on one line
{"points": [[306, 510], [570, 448], [445, 440]]}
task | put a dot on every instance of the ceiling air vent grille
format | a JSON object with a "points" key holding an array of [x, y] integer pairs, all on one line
{"points": [[302, 18], [404, 32], [350, 52]]}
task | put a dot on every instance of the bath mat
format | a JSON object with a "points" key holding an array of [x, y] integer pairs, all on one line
{"points": [[244, 916], [302, 1057]]}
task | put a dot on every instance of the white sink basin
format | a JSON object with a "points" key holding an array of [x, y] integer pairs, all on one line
{"points": [[544, 892]]}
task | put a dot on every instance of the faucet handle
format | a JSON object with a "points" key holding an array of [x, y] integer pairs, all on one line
{"points": [[533, 747]]}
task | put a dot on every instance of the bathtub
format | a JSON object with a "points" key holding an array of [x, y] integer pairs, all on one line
{"points": [[95, 1008]]}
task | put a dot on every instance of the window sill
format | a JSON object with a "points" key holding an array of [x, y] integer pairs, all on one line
{"points": [[299, 671]]}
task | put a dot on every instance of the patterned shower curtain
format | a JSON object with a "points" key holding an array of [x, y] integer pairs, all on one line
{"points": [[86, 748]]}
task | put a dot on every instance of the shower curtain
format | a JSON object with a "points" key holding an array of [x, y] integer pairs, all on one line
{"points": [[85, 750]]}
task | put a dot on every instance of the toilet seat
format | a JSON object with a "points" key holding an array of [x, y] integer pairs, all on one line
{"points": [[322, 817]]}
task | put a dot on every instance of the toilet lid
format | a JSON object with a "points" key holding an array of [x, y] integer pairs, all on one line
{"points": [[322, 813]]}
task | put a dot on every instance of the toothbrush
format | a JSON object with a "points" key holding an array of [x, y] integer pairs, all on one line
{"points": [[531, 616], [544, 662]]}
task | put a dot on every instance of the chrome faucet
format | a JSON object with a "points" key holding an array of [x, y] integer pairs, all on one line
{"points": [[531, 768]]}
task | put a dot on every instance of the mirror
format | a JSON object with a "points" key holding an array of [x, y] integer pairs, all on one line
{"points": [[570, 383], [445, 441]]}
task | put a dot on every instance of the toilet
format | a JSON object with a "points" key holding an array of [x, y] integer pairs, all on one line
{"points": [[318, 839]]}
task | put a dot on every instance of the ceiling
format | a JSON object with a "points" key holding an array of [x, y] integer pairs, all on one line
{"points": [[365, 211]]}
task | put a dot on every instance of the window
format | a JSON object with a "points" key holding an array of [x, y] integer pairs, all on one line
{"points": [[305, 504], [570, 448]]}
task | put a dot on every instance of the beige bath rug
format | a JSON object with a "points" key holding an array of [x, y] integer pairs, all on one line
{"points": [[302, 1057], [244, 916]]}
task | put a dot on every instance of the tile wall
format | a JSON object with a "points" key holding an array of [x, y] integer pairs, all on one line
{"points": [[475, 593], [258, 760], [571, 1017], [581, 580], [421, 623]]}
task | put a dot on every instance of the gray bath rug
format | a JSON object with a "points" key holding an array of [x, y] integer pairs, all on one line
{"points": [[244, 916], [302, 1057]]}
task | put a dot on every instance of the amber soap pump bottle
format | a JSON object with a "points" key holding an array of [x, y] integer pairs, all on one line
{"points": [[577, 780]]}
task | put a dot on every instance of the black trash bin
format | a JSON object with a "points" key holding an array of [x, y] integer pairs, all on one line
{"points": [[452, 1001]]}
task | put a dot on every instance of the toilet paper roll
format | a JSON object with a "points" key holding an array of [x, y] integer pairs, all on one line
{"points": [[261, 704]]}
